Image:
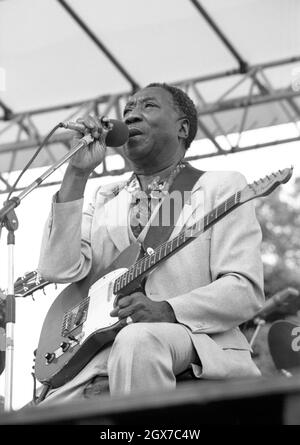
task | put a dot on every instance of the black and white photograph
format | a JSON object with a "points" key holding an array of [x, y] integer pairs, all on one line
{"points": [[149, 216]]}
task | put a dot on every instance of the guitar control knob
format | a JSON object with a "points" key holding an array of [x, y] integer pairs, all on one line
{"points": [[50, 356], [65, 346]]}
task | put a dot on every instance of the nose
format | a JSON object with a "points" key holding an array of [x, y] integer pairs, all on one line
{"points": [[133, 117]]}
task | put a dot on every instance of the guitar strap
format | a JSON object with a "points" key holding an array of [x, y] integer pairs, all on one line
{"points": [[166, 217]]}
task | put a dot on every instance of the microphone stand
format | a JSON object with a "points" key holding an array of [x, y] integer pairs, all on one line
{"points": [[9, 220], [259, 322]]}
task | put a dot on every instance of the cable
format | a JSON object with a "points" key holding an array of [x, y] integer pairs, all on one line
{"points": [[60, 125]]}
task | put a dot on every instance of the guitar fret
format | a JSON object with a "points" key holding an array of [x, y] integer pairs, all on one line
{"points": [[166, 247], [144, 265], [236, 198], [137, 269], [205, 221], [222, 208], [117, 285], [152, 259], [131, 273], [124, 280], [181, 238]]}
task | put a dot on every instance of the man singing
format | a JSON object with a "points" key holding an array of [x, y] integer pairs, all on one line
{"points": [[188, 313]]}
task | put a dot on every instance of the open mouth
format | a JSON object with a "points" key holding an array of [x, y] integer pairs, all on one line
{"points": [[134, 132]]}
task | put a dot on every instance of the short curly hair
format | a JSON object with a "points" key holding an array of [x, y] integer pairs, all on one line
{"points": [[185, 104]]}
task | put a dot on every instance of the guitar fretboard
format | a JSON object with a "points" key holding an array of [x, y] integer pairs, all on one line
{"points": [[166, 249]]}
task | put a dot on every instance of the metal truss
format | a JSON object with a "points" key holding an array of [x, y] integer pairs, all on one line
{"points": [[209, 124], [212, 122]]}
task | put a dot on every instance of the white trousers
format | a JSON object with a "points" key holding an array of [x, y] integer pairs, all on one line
{"points": [[144, 356]]}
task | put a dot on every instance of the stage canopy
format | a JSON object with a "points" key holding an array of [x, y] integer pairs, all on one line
{"points": [[238, 59]]}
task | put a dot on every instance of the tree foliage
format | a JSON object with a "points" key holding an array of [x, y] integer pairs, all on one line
{"points": [[279, 216]]}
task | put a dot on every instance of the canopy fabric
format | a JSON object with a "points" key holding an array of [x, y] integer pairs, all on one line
{"points": [[47, 59]]}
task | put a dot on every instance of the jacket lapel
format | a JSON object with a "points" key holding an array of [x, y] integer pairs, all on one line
{"points": [[193, 211]]}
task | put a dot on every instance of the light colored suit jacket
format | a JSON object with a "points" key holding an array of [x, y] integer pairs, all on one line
{"points": [[213, 284]]}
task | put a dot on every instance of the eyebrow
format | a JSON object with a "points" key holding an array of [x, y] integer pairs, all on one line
{"points": [[144, 99]]}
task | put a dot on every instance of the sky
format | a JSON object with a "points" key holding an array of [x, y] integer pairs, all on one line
{"points": [[32, 214]]}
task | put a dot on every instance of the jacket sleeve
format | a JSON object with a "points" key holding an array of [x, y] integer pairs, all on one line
{"points": [[66, 254], [235, 293]]}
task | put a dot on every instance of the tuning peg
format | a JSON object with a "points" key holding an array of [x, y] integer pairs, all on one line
{"points": [[32, 297], [44, 291], [55, 286]]}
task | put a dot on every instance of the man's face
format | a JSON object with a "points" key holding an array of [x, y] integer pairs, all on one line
{"points": [[152, 120]]}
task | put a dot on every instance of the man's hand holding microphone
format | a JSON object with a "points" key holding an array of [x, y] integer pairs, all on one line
{"points": [[104, 132]]}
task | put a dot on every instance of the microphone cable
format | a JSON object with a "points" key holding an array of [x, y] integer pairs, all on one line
{"points": [[44, 142]]}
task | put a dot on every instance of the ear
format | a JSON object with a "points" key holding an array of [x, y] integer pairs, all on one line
{"points": [[184, 127]]}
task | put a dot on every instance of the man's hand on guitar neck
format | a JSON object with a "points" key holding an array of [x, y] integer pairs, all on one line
{"points": [[142, 309]]}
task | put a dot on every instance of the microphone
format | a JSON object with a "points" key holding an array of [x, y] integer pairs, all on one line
{"points": [[280, 299], [116, 136]]}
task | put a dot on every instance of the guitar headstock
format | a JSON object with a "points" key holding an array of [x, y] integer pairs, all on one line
{"points": [[266, 185], [29, 283]]}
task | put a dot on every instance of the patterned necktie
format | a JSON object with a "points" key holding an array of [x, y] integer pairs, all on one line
{"points": [[144, 202]]}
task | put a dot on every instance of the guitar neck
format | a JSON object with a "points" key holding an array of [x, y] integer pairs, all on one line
{"points": [[172, 246]]}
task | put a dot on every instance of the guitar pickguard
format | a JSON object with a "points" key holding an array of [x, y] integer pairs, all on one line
{"points": [[101, 303]]}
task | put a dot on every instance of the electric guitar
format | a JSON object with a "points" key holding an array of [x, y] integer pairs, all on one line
{"points": [[78, 324]]}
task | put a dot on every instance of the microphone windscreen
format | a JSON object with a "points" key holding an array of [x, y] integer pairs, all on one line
{"points": [[118, 135]]}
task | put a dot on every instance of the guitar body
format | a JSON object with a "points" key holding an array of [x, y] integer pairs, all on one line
{"points": [[71, 346]]}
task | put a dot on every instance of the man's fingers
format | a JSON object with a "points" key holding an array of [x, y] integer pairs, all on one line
{"points": [[92, 125], [124, 313], [121, 304], [96, 121], [124, 301], [128, 305], [121, 313], [87, 122], [133, 309]]}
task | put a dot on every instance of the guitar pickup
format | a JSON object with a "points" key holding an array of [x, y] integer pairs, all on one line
{"points": [[73, 319], [80, 317]]}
